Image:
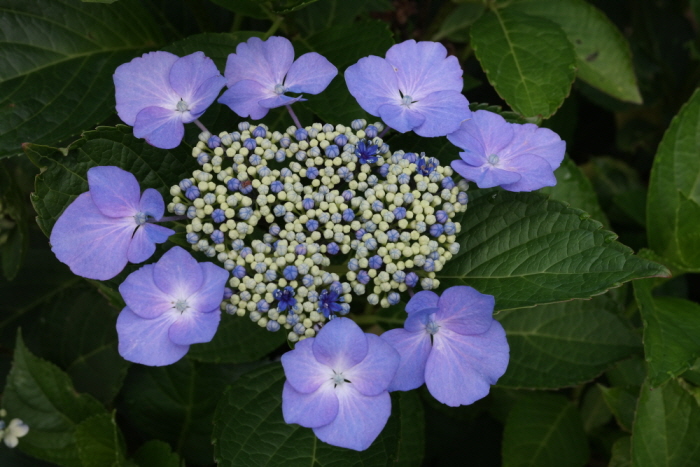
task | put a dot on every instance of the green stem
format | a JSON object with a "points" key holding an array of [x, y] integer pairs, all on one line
{"points": [[275, 26]]}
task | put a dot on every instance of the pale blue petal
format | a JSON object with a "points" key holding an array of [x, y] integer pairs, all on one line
{"points": [[486, 176], [414, 348], [485, 133], [90, 243], [178, 274], [265, 62], [142, 295], [193, 327], [422, 300], [373, 374], [359, 421], [475, 159], [144, 82], [205, 96], [152, 203], [210, 295], [189, 73], [536, 173], [311, 74], [372, 82], [244, 98], [279, 101], [146, 341], [340, 345], [162, 128], [114, 191], [310, 410], [461, 369], [465, 311], [157, 233], [542, 142], [141, 247], [418, 320], [443, 112], [400, 117], [302, 369]]}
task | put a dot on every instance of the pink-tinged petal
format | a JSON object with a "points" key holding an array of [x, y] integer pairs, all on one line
{"points": [[400, 118], [188, 73], [244, 98], [373, 374], [160, 127], [91, 244], [302, 369], [178, 274], [141, 247], [461, 369], [152, 203], [265, 62], [279, 101], [142, 295], [204, 96], [444, 111], [424, 299], [157, 233], [210, 295], [359, 421], [311, 74], [542, 142], [340, 345], [414, 348], [310, 410], [146, 341], [465, 311], [144, 82], [486, 176], [193, 327], [424, 67], [535, 173], [372, 82], [114, 191]]}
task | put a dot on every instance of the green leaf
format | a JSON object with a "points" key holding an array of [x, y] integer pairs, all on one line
{"points": [[329, 14], [528, 60], [156, 453], [238, 340], [65, 176], [217, 46], [249, 430], [667, 428], [603, 56], [43, 396], [564, 344], [594, 412], [57, 64], [621, 453], [673, 203], [459, 19], [622, 402], [671, 330], [252, 8], [527, 250], [544, 430], [100, 442], [14, 228]]}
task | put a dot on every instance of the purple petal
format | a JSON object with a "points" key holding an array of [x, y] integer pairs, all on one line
{"points": [[372, 375], [152, 203], [311, 410], [162, 128], [414, 348], [465, 311], [473, 159], [485, 133], [400, 117], [146, 341], [157, 233], [542, 142], [204, 96], [265, 62], [359, 421], [193, 327], [279, 101], [423, 68], [461, 369], [90, 243], [535, 172], [114, 191], [244, 98], [418, 320], [144, 82], [372, 81], [141, 247], [443, 112], [211, 293], [187, 76], [302, 369], [422, 300], [178, 274], [340, 345], [311, 74], [142, 295], [486, 176]]}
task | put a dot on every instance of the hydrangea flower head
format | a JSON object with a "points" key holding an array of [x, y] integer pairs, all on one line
{"points": [[169, 306], [260, 73], [159, 92], [107, 226], [513, 156], [452, 343], [337, 384], [416, 87]]}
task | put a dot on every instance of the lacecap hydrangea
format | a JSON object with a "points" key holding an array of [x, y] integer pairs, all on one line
{"points": [[308, 226]]}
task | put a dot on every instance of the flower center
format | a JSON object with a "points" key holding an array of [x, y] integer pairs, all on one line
{"points": [[182, 106], [140, 218], [493, 159], [406, 101], [432, 327], [181, 305], [338, 379], [279, 89]]}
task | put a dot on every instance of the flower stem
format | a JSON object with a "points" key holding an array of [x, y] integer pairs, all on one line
{"points": [[294, 116], [275, 25], [171, 219], [384, 131], [201, 127]]}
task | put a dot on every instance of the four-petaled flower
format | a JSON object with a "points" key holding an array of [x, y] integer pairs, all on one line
{"points": [[286, 298], [159, 92], [328, 300], [416, 87], [169, 305], [107, 226], [260, 73], [366, 153], [497, 153], [452, 343], [337, 384]]}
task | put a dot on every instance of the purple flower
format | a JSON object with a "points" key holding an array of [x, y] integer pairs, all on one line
{"points": [[417, 87], [260, 72], [286, 298], [159, 92], [337, 384], [452, 343], [516, 157], [169, 306], [107, 226], [366, 152], [328, 302]]}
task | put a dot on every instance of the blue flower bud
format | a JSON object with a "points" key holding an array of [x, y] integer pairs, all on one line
{"points": [[202, 158], [314, 152], [399, 213], [246, 251], [290, 273], [239, 272], [243, 126], [301, 134], [292, 318], [441, 216], [393, 298], [332, 248], [363, 277], [307, 280], [214, 142], [341, 140], [276, 186], [262, 306], [227, 140], [410, 157], [344, 309], [436, 230], [289, 217], [233, 185], [375, 262], [246, 187], [360, 233], [358, 124], [300, 249], [371, 131], [347, 195], [279, 211], [209, 198], [450, 228], [462, 198], [300, 156], [185, 184], [348, 215], [370, 226], [299, 329], [285, 142], [191, 212], [429, 265], [399, 276], [217, 236], [336, 218], [270, 275], [332, 151], [255, 160], [285, 172], [227, 293], [384, 170], [179, 209], [259, 132], [384, 149], [245, 213], [280, 155], [311, 225], [377, 206], [192, 193], [192, 238], [371, 244], [393, 236], [403, 179], [408, 198], [311, 173], [324, 217], [353, 264], [411, 279], [434, 255], [272, 326]]}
